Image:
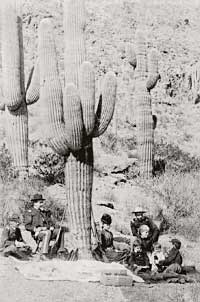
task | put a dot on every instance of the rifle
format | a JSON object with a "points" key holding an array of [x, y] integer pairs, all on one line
{"points": [[54, 247]]}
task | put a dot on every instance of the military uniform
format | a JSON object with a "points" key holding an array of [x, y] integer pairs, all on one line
{"points": [[36, 218]]}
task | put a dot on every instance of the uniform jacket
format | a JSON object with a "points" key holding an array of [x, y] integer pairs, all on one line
{"points": [[174, 256], [9, 236], [154, 231], [36, 218]]}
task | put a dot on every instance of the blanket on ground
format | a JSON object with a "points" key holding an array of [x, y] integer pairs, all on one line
{"points": [[81, 270]]}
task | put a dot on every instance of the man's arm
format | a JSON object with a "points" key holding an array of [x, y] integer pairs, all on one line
{"points": [[134, 229], [28, 222], [154, 230], [169, 259]]}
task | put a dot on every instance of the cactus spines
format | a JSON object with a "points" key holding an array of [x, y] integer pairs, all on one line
{"points": [[73, 117], [51, 90], [33, 86], [87, 94], [76, 117], [106, 104], [146, 76], [13, 84], [11, 56], [75, 52]]}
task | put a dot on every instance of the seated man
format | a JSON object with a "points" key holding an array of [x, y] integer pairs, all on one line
{"points": [[12, 243], [138, 261], [140, 220], [42, 227], [173, 261], [105, 250]]}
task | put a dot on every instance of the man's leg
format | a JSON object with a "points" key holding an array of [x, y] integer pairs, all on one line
{"points": [[9, 250], [173, 268], [60, 242], [45, 237]]}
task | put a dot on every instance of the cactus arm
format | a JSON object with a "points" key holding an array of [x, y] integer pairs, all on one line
{"points": [[73, 117], [131, 55], [153, 74], [87, 95], [106, 104], [33, 85], [140, 50], [51, 90], [11, 56], [75, 51]]}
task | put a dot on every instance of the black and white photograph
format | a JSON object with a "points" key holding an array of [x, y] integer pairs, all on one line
{"points": [[99, 150]]}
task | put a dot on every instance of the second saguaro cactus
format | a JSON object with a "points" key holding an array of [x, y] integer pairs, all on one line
{"points": [[72, 121], [146, 76], [14, 93]]}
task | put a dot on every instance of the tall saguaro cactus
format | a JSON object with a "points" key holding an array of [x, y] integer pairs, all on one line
{"points": [[72, 121], [14, 93], [146, 76]]}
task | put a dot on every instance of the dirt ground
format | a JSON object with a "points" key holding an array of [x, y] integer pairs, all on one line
{"points": [[14, 288]]}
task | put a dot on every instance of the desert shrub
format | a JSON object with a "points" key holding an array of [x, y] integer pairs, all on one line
{"points": [[176, 160], [7, 172], [180, 193], [15, 196], [49, 167]]}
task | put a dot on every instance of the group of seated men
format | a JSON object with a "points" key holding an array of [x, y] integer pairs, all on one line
{"points": [[144, 254]]}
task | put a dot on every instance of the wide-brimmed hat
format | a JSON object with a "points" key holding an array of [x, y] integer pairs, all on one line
{"points": [[139, 210], [36, 197], [14, 217]]}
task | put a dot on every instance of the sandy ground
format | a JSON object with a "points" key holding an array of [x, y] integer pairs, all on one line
{"points": [[15, 288]]}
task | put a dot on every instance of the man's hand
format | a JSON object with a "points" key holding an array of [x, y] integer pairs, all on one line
{"points": [[38, 230]]}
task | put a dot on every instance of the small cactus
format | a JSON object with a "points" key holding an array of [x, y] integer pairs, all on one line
{"points": [[72, 121], [13, 90], [146, 76]]}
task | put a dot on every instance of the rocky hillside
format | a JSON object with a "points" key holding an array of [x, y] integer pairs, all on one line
{"points": [[173, 27]]}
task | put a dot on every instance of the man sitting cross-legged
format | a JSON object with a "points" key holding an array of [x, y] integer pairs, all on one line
{"points": [[12, 242], [42, 227]]}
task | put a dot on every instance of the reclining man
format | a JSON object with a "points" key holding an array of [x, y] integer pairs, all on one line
{"points": [[42, 227]]}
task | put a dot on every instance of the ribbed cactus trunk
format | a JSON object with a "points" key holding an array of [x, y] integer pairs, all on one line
{"points": [[72, 122], [146, 76], [79, 180], [13, 84]]}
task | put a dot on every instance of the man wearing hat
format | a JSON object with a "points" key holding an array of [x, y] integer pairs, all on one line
{"points": [[12, 243], [42, 226], [141, 220]]}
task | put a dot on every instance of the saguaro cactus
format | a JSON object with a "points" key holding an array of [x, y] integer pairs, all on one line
{"points": [[13, 89], [146, 76], [72, 122]]}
